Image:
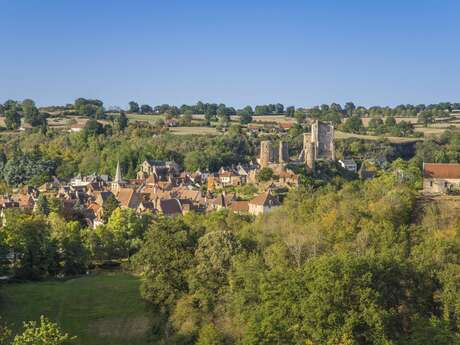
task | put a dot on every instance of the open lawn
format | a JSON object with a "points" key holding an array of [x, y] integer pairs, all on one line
{"points": [[101, 309]]}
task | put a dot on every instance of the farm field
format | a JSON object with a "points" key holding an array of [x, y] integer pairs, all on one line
{"points": [[102, 309], [398, 120], [141, 117], [272, 118], [194, 131], [396, 140]]}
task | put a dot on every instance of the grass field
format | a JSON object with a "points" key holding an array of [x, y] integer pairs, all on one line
{"points": [[102, 309], [395, 140], [140, 117], [398, 120], [194, 130]]}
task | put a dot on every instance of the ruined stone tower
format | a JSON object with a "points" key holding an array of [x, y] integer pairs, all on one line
{"points": [[306, 145], [265, 153], [310, 158], [309, 153], [322, 135], [283, 152]]}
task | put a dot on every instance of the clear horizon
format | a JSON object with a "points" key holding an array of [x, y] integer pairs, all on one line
{"points": [[300, 53]]}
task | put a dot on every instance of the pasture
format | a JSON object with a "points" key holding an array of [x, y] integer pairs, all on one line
{"points": [[396, 140], [100, 309], [194, 131]]}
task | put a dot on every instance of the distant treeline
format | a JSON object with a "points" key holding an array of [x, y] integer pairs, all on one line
{"points": [[14, 110]]}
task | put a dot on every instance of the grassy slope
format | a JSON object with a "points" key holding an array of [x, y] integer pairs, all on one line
{"points": [[396, 140], [99, 310]]}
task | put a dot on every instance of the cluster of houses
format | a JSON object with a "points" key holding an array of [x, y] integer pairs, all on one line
{"points": [[160, 188], [163, 188]]}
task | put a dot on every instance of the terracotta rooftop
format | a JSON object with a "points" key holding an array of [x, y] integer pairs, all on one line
{"points": [[128, 198], [441, 170], [240, 206], [286, 125], [170, 207], [265, 199]]}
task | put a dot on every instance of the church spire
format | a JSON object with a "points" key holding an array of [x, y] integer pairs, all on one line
{"points": [[118, 177], [117, 182]]}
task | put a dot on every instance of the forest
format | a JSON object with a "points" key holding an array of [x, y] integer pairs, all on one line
{"points": [[350, 263]]}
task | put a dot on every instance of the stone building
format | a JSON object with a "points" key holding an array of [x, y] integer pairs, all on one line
{"points": [[118, 181], [265, 153], [263, 203], [283, 155], [318, 145], [441, 178], [322, 135]]}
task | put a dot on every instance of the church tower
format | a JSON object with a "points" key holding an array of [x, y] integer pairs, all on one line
{"points": [[117, 182]]}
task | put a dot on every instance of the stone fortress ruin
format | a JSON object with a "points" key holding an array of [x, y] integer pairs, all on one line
{"points": [[317, 145]]}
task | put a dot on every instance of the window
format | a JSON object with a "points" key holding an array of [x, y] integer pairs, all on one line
{"points": [[431, 183]]}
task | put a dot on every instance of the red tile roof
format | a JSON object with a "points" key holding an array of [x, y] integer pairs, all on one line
{"points": [[441, 170], [265, 199], [286, 125], [240, 206]]}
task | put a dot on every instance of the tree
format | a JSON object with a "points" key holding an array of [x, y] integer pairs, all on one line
{"points": [[28, 168], [353, 124], [279, 108], [133, 107], [390, 121], [31, 114], [5, 333], [110, 204], [164, 259], [122, 121], [340, 299], [223, 115], [290, 111], [196, 160], [245, 118], [72, 255], [210, 335], [213, 261], [44, 333], [128, 230], [41, 205], [89, 107], [146, 109], [375, 123], [100, 244], [336, 107], [245, 115], [333, 117], [12, 119], [265, 174], [92, 128], [187, 117], [300, 115], [350, 108], [28, 237], [426, 117]]}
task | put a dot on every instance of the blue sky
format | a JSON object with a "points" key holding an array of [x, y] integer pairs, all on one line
{"points": [[237, 52]]}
